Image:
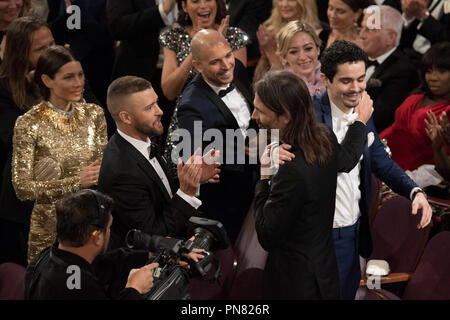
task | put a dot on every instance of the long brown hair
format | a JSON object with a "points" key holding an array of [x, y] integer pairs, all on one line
{"points": [[285, 93], [16, 63]]}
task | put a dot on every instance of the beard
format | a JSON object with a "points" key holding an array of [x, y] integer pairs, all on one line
{"points": [[147, 130]]}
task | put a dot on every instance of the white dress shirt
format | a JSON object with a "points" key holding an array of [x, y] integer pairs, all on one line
{"points": [[370, 70], [237, 105], [144, 148], [347, 192]]}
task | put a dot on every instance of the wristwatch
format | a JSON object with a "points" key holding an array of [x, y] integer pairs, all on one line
{"points": [[414, 194]]}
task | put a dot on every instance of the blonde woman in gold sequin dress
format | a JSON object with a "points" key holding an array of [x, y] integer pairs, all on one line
{"points": [[57, 145]]}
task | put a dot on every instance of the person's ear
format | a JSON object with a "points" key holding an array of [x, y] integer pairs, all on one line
{"points": [[98, 236], [48, 82], [125, 117], [197, 65], [392, 37], [325, 80]]}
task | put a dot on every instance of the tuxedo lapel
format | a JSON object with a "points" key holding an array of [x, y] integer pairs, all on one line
{"points": [[326, 109], [246, 94], [143, 164], [164, 165], [216, 101]]}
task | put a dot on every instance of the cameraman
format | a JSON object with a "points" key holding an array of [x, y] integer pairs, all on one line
{"points": [[76, 267]]}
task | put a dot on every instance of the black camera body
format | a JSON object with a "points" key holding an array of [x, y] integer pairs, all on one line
{"points": [[171, 281]]}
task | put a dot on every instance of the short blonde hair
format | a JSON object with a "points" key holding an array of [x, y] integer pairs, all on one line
{"points": [[285, 35]]}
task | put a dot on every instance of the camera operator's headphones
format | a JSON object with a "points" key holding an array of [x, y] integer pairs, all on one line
{"points": [[101, 210]]}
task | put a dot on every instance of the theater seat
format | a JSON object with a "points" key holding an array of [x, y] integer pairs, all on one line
{"points": [[247, 285], [431, 279], [12, 277]]}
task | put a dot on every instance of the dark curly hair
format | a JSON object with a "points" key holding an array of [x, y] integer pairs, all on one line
{"points": [[338, 53]]}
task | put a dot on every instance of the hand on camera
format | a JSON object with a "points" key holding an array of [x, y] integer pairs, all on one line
{"points": [[141, 279]]}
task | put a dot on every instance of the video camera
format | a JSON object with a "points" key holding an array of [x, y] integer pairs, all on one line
{"points": [[172, 280]]}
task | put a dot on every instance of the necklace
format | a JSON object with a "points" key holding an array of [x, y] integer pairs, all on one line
{"points": [[65, 113]]}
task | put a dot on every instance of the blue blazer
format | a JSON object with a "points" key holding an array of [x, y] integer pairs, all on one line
{"points": [[375, 160]]}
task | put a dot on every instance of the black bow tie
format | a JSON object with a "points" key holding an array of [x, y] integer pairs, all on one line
{"points": [[224, 92], [153, 150], [372, 63]]}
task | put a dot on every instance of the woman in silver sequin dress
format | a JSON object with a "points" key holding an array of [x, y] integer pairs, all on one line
{"points": [[177, 71], [57, 145]]}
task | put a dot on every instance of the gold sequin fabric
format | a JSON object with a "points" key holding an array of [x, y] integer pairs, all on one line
{"points": [[179, 41], [49, 150]]}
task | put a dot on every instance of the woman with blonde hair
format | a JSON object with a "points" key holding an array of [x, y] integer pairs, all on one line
{"points": [[298, 47], [283, 11]]}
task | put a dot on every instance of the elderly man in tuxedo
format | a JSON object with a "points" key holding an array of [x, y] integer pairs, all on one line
{"points": [[145, 194], [390, 75], [343, 73], [219, 98]]}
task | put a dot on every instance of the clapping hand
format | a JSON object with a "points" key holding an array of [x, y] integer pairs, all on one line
{"points": [[224, 25], [210, 167], [190, 173]]}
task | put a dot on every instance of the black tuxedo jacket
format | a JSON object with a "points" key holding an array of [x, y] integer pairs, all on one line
{"points": [[229, 200], [140, 199], [390, 84], [294, 221], [136, 24]]}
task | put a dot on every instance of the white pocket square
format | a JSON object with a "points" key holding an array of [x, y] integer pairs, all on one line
{"points": [[370, 138]]}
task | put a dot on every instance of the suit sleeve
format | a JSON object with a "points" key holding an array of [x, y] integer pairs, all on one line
{"points": [[352, 147], [127, 23], [277, 207], [386, 169], [432, 30], [189, 118], [137, 208]]}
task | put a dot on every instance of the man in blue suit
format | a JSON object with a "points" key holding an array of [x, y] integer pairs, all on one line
{"points": [[343, 73], [218, 98]]}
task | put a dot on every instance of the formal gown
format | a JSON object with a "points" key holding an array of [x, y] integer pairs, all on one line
{"points": [[406, 137], [50, 147], [178, 40]]}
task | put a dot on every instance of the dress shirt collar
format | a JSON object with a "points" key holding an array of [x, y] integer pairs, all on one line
{"points": [[384, 56], [338, 113], [142, 146], [215, 88]]}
